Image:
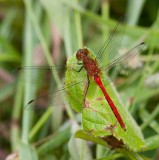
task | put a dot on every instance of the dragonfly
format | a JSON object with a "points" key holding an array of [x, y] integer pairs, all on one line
{"points": [[93, 68]]}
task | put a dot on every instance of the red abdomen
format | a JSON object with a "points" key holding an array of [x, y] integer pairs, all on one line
{"points": [[110, 102]]}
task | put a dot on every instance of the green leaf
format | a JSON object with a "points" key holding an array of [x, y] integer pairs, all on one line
{"points": [[8, 53], [78, 148], [52, 8], [6, 91], [87, 136], [8, 58], [98, 120], [152, 143], [59, 139], [27, 151]]}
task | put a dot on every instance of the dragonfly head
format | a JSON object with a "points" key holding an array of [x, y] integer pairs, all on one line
{"points": [[81, 54]]}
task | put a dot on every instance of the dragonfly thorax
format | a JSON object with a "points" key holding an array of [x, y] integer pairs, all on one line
{"points": [[88, 63]]}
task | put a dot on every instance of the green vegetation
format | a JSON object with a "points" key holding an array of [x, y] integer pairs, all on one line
{"points": [[47, 33]]}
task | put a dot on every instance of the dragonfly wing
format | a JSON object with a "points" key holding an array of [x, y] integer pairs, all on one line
{"points": [[111, 45], [37, 74], [58, 97], [124, 59], [41, 74]]}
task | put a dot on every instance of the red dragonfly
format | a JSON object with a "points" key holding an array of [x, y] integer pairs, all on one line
{"points": [[92, 67]]}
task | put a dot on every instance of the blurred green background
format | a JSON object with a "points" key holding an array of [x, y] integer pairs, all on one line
{"points": [[47, 33]]}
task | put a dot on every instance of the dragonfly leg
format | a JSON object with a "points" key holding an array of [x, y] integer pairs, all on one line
{"points": [[86, 90], [79, 63], [79, 69]]}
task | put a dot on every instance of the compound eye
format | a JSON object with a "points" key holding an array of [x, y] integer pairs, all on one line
{"points": [[79, 54], [85, 52]]}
